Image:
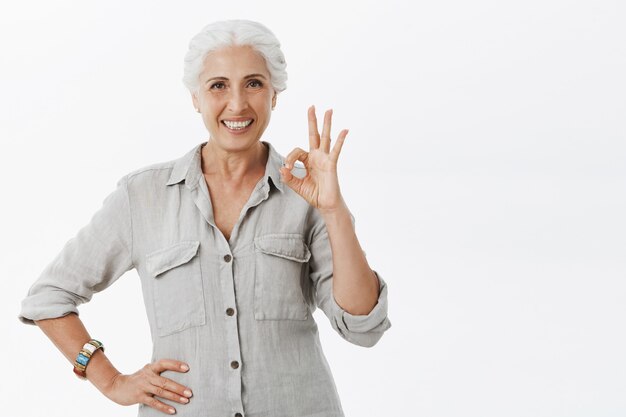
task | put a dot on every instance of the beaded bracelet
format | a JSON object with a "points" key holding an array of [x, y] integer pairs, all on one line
{"points": [[84, 356]]}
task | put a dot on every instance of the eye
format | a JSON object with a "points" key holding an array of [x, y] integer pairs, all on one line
{"points": [[255, 83], [217, 86]]}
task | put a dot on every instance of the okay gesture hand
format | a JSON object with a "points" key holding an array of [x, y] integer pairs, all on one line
{"points": [[320, 186]]}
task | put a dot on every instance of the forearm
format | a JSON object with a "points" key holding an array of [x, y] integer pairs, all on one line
{"points": [[69, 335], [355, 286]]}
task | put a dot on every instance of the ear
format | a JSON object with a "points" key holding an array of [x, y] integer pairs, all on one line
{"points": [[196, 103], [274, 101]]}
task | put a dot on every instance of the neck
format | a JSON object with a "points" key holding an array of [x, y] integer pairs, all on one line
{"points": [[233, 166]]}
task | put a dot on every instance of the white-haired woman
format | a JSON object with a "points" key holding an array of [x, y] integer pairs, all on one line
{"points": [[235, 247]]}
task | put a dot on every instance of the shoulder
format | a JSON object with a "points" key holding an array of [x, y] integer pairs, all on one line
{"points": [[154, 173], [147, 178], [150, 171], [161, 171]]}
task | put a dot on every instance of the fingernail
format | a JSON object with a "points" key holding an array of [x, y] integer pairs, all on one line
{"points": [[187, 393], [184, 399], [184, 367], [172, 411]]}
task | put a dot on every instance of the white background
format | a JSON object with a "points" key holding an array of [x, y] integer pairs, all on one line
{"points": [[485, 167]]}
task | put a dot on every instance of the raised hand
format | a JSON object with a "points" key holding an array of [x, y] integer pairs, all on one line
{"points": [[320, 186]]}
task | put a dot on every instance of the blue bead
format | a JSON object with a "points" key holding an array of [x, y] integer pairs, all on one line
{"points": [[82, 359]]}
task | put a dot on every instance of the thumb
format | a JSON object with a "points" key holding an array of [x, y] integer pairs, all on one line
{"points": [[291, 180]]}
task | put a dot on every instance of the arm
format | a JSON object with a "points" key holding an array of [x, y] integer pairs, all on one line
{"points": [[353, 296], [360, 329], [355, 286], [69, 335], [90, 262]]}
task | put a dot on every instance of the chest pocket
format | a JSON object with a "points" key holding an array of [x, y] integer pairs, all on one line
{"points": [[280, 262], [178, 296]]}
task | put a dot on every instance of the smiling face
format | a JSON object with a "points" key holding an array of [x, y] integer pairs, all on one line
{"points": [[235, 96]]}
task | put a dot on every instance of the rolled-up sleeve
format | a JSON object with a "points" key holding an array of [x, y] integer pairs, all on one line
{"points": [[361, 330], [89, 262]]}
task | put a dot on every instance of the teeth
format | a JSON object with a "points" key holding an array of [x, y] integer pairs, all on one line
{"points": [[237, 125]]}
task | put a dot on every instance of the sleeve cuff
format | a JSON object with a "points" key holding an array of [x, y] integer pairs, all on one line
{"points": [[39, 308]]}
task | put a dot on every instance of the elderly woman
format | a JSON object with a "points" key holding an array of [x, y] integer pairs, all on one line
{"points": [[235, 246]]}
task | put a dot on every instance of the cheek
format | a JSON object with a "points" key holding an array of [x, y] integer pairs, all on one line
{"points": [[213, 111], [263, 104]]}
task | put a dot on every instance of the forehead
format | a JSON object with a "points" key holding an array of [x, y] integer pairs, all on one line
{"points": [[235, 61]]}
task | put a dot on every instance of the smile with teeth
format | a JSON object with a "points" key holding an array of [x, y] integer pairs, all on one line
{"points": [[237, 125]]}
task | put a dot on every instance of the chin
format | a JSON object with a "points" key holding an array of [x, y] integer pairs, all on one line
{"points": [[228, 142]]}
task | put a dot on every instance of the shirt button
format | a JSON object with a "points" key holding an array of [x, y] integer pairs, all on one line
{"points": [[234, 364], [230, 311], [227, 258]]}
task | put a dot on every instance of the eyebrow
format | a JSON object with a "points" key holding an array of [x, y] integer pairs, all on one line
{"points": [[245, 78]]}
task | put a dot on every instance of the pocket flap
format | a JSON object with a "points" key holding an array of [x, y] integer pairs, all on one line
{"points": [[161, 260], [286, 246]]}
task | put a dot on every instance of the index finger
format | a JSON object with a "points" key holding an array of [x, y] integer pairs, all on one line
{"points": [[169, 365], [314, 136]]}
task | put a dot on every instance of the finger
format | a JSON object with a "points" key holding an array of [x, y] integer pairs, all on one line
{"points": [[297, 154], [325, 142], [334, 154], [169, 365], [170, 385], [163, 389], [291, 180], [314, 136], [157, 405]]}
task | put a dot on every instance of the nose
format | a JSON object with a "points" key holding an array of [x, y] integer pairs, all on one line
{"points": [[238, 101]]}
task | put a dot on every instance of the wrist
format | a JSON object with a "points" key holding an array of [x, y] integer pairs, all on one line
{"points": [[101, 372], [84, 356], [339, 210], [110, 384]]}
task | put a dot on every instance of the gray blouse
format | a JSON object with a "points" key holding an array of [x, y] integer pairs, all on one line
{"points": [[239, 312]]}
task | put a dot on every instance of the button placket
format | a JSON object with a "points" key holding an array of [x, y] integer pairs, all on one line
{"points": [[229, 311], [226, 260]]}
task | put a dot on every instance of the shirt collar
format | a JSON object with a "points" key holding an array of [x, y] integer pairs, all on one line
{"points": [[189, 167]]}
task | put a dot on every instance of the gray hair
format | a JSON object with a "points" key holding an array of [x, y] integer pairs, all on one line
{"points": [[235, 32]]}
